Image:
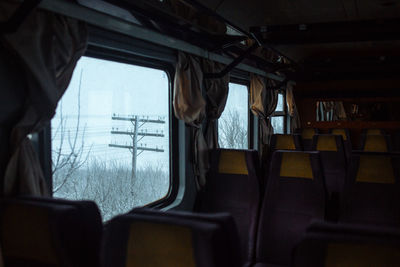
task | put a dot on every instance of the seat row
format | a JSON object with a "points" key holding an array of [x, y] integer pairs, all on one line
{"points": [[373, 140], [272, 211], [50, 232]]}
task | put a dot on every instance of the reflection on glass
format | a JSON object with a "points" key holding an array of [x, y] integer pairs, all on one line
{"points": [[233, 123], [278, 124], [110, 136]]}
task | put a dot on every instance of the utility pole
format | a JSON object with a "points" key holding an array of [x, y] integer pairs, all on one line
{"points": [[137, 122]]}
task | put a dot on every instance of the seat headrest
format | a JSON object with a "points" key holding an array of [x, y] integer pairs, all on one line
{"points": [[308, 133], [159, 244], [375, 143], [284, 142], [341, 132], [356, 254], [375, 169], [29, 233], [373, 132], [233, 162], [296, 165], [326, 143]]}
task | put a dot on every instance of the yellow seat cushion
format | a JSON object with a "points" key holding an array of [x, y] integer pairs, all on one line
{"points": [[285, 142], [308, 133], [326, 143], [375, 169], [357, 255], [341, 132], [296, 165], [375, 143], [153, 244], [233, 162]]}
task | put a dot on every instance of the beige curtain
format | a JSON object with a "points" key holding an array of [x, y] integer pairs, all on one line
{"points": [[263, 103], [189, 106], [292, 108], [48, 47], [217, 93]]}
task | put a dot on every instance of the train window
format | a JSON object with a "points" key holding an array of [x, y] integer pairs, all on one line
{"points": [[233, 123], [278, 117], [110, 136]]}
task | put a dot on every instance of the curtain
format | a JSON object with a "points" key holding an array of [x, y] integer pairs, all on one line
{"points": [[292, 108], [48, 47], [217, 93], [263, 103], [189, 106]]}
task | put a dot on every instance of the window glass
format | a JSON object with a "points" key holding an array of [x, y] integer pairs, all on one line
{"points": [[278, 124], [110, 136], [279, 106], [233, 123]]}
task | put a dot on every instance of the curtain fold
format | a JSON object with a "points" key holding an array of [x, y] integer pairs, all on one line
{"points": [[190, 106], [292, 108], [217, 94], [263, 104], [48, 47]]}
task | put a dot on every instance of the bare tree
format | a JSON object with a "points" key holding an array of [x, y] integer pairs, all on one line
{"points": [[65, 164], [231, 131]]}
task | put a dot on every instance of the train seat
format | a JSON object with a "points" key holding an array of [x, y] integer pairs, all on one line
{"points": [[295, 195], [347, 245], [233, 185], [223, 219], [286, 142], [372, 193], [376, 143], [333, 158], [41, 233], [307, 135], [145, 239]]}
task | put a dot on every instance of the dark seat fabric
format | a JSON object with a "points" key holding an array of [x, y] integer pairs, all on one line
{"points": [[333, 158], [223, 219], [376, 143], [372, 192], [295, 195], [348, 146], [307, 135], [233, 186], [154, 240], [41, 233], [347, 245], [89, 221], [286, 142]]}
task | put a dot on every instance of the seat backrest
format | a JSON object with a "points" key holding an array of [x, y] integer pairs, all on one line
{"points": [[233, 185], [37, 233], [286, 142], [333, 160], [347, 245], [295, 195], [89, 221], [376, 143], [307, 135], [158, 240], [223, 219], [372, 192]]}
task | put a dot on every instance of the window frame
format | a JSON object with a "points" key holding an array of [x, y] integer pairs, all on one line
{"points": [[250, 117], [116, 55], [283, 113]]}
